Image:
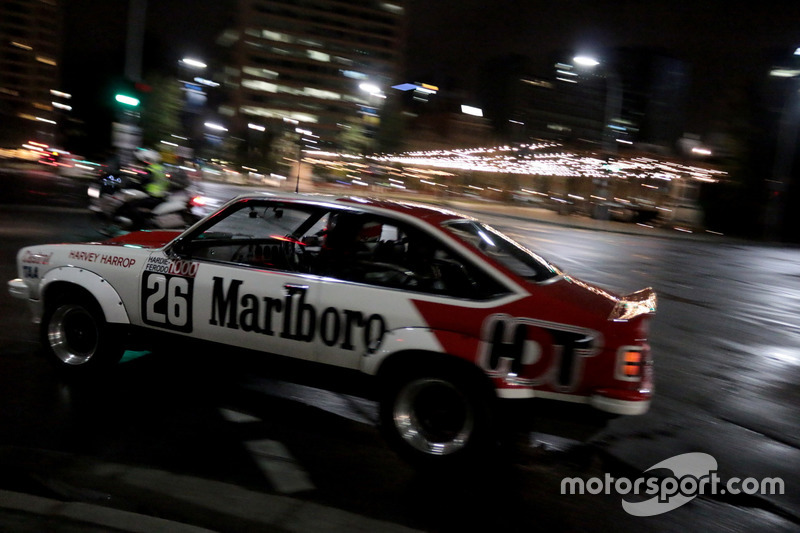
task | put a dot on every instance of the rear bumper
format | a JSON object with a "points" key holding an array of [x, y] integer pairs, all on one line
{"points": [[618, 406], [621, 401], [612, 401]]}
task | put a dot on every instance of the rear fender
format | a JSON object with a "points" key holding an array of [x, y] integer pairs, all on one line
{"points": [[102, 291], [416, 340]]}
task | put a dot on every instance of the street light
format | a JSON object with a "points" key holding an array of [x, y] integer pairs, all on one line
{"points": [[585, 61], [785, 148], [371, 88], [370, 114], [611, 110], [302, 136], [194, 100], [193, 63], [613, 103]]}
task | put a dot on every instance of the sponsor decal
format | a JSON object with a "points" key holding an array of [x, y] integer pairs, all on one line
{"points": [[291, 317], [33, 258], [167, 301], [167, 292], [105, 259], [174, 267], [530, 352], [30, 271]]}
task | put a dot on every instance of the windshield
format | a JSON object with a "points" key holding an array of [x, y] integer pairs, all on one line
{"points": [[503, 249]]}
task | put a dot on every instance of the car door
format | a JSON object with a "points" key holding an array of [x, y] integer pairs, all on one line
{"points": [[375, 284], [236, 281]]}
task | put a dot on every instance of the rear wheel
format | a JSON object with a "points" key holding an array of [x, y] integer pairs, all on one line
{"points": [[77, 337], [437, 418]]}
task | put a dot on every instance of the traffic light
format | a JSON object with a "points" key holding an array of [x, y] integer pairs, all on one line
{"points": [[128, 93], [126, 99]]}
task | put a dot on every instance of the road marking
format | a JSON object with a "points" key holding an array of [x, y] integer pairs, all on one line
{"points": [[237, 417], [353, 408], [282, 470], [273, 458]]}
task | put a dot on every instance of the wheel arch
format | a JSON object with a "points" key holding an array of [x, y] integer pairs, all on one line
{"points": [[87, 284], [419, 361], [416, 349]]}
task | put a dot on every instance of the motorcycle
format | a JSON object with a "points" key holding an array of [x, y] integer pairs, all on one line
{"points": [[120, 201]]}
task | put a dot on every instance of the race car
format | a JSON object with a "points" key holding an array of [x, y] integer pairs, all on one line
{"points": [[448, 315]]}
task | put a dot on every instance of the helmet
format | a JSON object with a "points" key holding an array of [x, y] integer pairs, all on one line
{"points": [[147, 156]]}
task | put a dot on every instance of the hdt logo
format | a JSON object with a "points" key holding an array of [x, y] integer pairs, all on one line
{"points": [[531, 352]]}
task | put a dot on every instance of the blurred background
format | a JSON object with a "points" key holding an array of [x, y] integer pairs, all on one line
{"points": [[668, 113]]}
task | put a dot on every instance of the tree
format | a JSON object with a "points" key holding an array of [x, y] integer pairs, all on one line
{"points": [[161, 110], [353, 139]]}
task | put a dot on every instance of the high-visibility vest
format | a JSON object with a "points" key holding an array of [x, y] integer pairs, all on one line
{"points": [[158, 185]]}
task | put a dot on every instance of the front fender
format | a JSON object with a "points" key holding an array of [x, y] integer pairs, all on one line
{"points": [[415, 340], [102, 291]]}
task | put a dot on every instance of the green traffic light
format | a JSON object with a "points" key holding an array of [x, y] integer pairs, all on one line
{"points": [[127, 100]]}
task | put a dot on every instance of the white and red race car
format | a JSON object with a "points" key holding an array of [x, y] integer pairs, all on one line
{"points": [[446, 312]]}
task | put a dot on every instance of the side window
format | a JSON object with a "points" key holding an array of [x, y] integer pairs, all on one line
{"points": [[263, 235], [376, 251]]}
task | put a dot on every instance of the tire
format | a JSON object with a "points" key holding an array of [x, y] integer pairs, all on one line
{"points": [[437, 418], [76, 336]]}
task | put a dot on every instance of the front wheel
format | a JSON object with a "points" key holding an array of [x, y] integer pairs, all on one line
{"points": [[437, 418], [77, 337]]}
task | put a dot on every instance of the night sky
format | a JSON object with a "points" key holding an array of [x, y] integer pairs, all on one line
{"points": [[727, 42]]}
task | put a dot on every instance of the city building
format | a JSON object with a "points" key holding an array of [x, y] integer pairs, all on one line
{"points": [[634, 97], [30, 51], [323, 67]]}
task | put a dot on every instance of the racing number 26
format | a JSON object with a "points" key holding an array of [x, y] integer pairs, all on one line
{"points": [[167, 301]]}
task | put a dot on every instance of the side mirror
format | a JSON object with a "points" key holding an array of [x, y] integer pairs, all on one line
{"points": [[181, 249]]}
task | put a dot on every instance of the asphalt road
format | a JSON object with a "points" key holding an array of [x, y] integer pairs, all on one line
{"points": [[229, 431]]}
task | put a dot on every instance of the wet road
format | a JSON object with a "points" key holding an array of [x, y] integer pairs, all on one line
{"points": [[728, 384]]}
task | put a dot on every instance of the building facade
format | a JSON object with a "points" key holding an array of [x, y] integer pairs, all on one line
{"points": [[30, 54], [637, 98], [321, 66]]}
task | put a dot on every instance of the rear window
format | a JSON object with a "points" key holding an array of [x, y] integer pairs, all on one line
{"points": [[503, 249]]}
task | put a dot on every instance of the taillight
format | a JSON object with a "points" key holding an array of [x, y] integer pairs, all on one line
{"points": [[630, 364], [198, 201]]}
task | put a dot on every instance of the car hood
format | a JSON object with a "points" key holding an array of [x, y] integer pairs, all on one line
{"points": [[145, 239]]}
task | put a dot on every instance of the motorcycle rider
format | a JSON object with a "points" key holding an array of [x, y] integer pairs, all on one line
{"points": [[156, 184]]}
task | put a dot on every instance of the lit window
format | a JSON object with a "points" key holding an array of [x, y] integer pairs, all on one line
{"points": [[319, 56], [257, 85], [275, 36], [260, 72]]}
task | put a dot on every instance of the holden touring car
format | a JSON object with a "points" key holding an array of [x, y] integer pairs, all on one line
{"points": [[446, 313]]}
